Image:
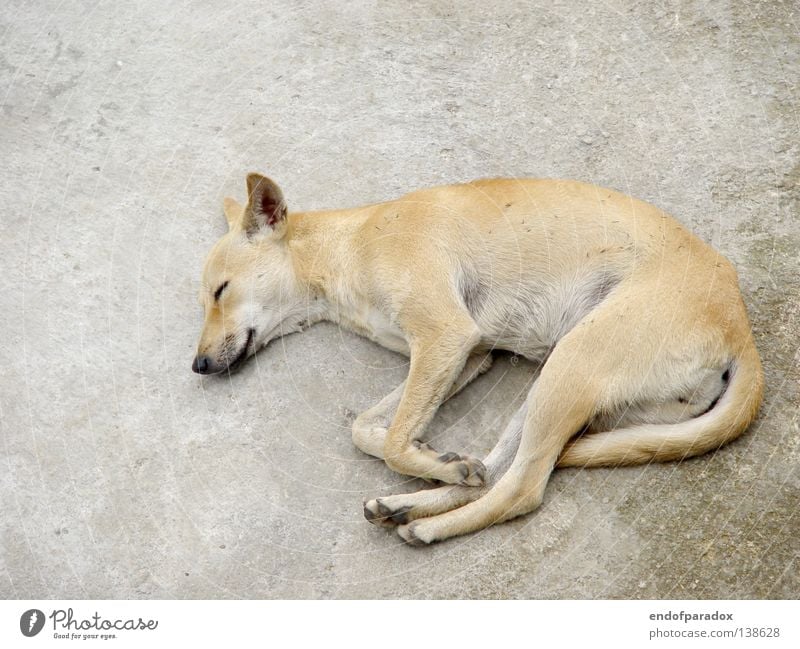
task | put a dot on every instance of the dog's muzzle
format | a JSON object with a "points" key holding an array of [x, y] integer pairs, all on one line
{"points": [[203, 364]]}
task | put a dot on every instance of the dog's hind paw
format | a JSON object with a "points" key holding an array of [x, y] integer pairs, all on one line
{"points": [[377, 513], [411, 534]]}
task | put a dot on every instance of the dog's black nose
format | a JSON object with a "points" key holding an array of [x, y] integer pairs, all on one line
{"points": [[201, 364]]}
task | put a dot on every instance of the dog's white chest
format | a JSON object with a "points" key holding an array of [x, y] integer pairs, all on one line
{"points": [[375, 325], [384, 331]]}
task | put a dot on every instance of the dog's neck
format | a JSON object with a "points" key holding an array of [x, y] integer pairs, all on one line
{"points": [[322, 250]]}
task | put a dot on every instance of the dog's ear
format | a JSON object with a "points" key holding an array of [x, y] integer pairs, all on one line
{"points": [[233, 212], [266, 207]]}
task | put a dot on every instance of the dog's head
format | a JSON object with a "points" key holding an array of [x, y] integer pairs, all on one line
{"points": [[249, 291]]}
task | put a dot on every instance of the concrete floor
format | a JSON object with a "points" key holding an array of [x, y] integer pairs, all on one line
{"points": [[123, 126]]}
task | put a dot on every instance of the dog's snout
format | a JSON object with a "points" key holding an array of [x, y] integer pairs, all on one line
{"points": [[202, 365]]}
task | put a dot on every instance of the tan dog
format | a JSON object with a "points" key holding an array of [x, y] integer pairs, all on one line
{"points": [[647, 349]]}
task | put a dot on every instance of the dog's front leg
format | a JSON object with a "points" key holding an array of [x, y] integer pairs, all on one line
{"points": [[438, 357], [401, 509], [371, 426]]}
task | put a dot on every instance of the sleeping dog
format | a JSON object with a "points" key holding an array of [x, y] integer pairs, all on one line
{"points": [[645, 342]]}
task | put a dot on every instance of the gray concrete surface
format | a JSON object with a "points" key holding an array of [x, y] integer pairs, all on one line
{"points": [[123, 126]]}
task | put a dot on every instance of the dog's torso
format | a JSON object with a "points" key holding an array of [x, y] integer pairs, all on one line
{"points": [[529, 259]]}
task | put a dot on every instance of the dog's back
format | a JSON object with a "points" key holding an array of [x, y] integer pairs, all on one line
{"points": [[531, 257]]}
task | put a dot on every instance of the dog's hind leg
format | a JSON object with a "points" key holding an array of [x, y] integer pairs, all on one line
{"points": [[369, 428], [401, 509], [560, 403], [603, 363]]}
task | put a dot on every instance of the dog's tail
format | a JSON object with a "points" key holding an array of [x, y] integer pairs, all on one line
{"points": [[726, 420]]}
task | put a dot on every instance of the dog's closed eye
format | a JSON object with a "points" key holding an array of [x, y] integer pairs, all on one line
{"points": [[218, 292]]}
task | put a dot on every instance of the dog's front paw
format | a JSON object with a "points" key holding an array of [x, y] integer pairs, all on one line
{"points": [[463, 470], [378, 513], [473, 473]]}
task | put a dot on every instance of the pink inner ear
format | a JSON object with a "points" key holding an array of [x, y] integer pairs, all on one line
{"points": [[271, 209]]}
